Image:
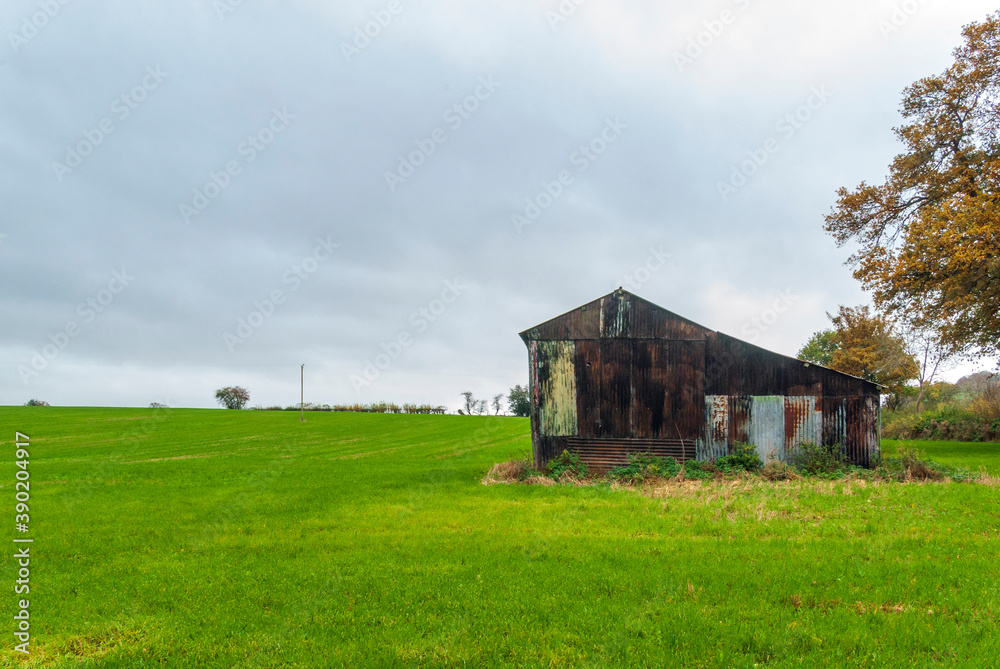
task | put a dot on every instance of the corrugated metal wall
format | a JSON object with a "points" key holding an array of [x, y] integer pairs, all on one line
{"points": [[803, 422], [621, 374], [619, 388], [775, 424]]}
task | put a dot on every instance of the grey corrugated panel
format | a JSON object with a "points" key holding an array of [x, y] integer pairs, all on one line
{"points": [[767, 426]]}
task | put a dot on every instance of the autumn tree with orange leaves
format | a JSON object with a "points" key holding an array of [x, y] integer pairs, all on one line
{"points": [[929, 237], [869, 347]]}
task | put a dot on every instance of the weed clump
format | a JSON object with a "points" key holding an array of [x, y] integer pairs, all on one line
{"points": [[814, 459], [644, 466], [907, 465], [776, 470], [744, 458], [809, 461], [699, 470], [567, 463], [512, 471]]}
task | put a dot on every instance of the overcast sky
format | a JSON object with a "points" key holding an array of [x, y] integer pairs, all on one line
{"points": [[199, 194]]}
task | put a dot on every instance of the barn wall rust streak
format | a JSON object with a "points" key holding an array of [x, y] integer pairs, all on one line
{"points": [[803, 422]]}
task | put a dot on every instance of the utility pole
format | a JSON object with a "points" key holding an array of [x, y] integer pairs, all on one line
{"points": [[302, 396]]}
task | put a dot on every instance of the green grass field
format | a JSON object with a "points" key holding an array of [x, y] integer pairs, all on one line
{"points": [[975, 456], [196, 538]]}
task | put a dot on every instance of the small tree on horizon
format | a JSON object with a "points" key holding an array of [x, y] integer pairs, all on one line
{"points": [[233, 397], [471, 403], [519, 401], [497, 400]]}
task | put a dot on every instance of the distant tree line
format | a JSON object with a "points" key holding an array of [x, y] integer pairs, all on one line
{"points": [[374, 407], [518, 403]]}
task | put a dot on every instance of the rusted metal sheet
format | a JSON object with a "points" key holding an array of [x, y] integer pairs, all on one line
{"points": [[686, 390], [603, 454], [650, 376], [740, 410], [774, 424], [551, 447], [581, 323], [667, 382], [861, 424], [834, 421], [616, 388], [735, 367], [589, 387], [622, 371], [557, 388], [873, 425], [652, 322], [537, 450], [620, 314], [616, 312], [716, 441], [803, 422]]}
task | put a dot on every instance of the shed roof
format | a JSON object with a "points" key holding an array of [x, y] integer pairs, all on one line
{"points": [[622, 314]]}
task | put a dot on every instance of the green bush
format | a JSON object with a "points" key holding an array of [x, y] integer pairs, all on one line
{"points": [[568, 462], [744, 458], [946, 423], [642, 466], [700, 469], [812, 458]]}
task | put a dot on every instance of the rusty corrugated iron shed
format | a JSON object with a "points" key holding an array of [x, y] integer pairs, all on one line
{"points": [[621, 374]]}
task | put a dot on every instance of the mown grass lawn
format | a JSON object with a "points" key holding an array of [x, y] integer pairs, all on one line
{"points": [[196, 538]]}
